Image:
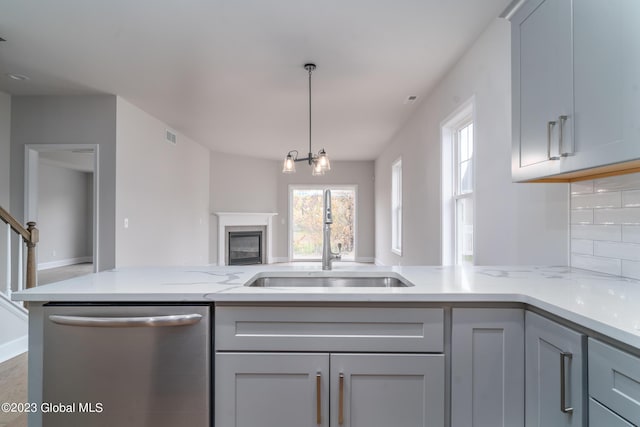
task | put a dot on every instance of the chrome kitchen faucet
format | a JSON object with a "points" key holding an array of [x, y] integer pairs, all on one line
{"points": [[327, 255]]}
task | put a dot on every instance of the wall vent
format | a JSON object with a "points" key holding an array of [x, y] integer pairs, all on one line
{"points": [[411, 99], [171, 137]]}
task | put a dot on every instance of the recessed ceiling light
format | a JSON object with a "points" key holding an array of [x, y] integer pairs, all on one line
{"points": [[19, 77]]}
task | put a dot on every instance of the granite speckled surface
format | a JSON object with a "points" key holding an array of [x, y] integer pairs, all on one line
{"points": [[609, 305]]}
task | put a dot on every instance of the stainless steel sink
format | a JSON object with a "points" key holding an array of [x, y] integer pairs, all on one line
{"points": [[329, 282]]}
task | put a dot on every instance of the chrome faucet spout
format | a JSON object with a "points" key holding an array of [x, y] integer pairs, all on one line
{"points": [[328, 219], [327, 255]]}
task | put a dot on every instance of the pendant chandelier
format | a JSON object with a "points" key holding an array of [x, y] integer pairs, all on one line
{"points": [[319, 162]]}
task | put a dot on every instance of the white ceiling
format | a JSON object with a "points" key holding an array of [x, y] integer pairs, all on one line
{"points": [[229, 73]]}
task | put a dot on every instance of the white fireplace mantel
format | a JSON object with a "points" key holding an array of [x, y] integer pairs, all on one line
{"points": [[234, 219]]}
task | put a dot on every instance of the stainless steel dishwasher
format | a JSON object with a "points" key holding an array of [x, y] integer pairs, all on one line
{"points": [[126, 366]]}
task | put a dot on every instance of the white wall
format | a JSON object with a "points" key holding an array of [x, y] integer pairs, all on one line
{"points": [[244, 184], [163, 191], [241, 184], [64, 217], [5, 168], [87, 119], [514, 223]]}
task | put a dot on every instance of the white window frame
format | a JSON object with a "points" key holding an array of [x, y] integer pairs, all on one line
{"points": [[293, 187], [459, 119], [396, 206]]}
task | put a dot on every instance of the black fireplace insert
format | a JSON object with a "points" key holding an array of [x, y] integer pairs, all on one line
{"points": [[245, 247]]}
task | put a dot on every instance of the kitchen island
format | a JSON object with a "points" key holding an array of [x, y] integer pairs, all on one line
{"points": [[596, 306]]}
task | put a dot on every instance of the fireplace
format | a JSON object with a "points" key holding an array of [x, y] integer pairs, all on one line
{"points": [[245, 221], [245, 247]]}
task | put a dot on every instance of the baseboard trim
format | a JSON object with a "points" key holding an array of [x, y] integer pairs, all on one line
{"points": [[64, 262], [14, 348]]}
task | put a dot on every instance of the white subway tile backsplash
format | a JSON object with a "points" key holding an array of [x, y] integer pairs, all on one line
{"points": [[597, 232], [617, 183], [593, 263], [631, 199], [629, 251], [582, 246], [605, 225], [617, 216], [581, 187], [582, 216], [631, 269], [596, 200], [631, 233]]}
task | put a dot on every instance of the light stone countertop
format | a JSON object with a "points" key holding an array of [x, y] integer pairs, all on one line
{"points": [[608, 305]]}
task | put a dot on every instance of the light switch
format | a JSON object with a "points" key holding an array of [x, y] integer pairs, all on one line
{"points": [[126, 223]]}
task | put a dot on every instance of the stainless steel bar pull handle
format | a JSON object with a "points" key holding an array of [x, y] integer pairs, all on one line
{"points": [[127, 322], [341, 399], [550, 126], [563, 385], [318, 398], [563, 153]]}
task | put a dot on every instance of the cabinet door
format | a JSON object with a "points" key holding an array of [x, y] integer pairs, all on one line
{"points": [[542, 87], [606, 41], [552, 349], [382, 390], [271, 390], [487, 360]]}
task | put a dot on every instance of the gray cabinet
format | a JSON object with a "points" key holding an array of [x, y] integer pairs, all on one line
{"points": [[487, 356], [382, 390], [599, 416], [271, 390], [554, 374], [576, 79], [359, 390], [542, 89], [329, 366], [614, 383]]}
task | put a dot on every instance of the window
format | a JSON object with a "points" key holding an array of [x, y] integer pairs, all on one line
{"points": [[396, 207], [305, 211], [457, 187], [463, 194]]}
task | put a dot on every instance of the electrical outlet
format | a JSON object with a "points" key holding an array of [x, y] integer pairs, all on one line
{"points": [[126, 223]]}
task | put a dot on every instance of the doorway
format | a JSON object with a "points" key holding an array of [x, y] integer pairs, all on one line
{"points": [[61, 195]]}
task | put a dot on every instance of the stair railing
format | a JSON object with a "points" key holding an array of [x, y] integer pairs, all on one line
{"points": [[29, 239]]}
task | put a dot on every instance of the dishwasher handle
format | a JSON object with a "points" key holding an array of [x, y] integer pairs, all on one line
{"points": [[127, 322]]}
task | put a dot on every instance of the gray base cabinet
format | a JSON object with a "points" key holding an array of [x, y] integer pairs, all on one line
{"points": [[287, 366], [555, 374], [487, 356], [271, 390], [351, 390], [599, 416], [614, 386]]}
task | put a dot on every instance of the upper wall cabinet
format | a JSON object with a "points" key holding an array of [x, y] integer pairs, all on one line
{"points": [[576, 88]]}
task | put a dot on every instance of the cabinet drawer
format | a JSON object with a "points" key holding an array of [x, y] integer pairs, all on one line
{"points": [[599, 416], [380, 329], [614, 379]]}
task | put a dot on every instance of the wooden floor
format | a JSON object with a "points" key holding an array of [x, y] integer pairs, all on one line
{"points": [[52, 275], [13, 388]]}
